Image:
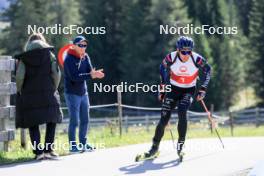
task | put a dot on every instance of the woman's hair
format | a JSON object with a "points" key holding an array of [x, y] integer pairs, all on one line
{"points": [[33, 37]]}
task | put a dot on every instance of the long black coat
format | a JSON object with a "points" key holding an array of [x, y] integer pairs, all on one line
{"points": [[38, 102]]}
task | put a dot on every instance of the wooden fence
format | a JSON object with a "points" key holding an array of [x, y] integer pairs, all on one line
{"points": [[224, 119], [7, 88]]}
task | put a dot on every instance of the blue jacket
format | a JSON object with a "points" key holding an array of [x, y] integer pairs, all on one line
{"points": [[76, 72]]}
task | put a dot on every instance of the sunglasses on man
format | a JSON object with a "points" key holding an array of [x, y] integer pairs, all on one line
{"points": [[185, 52], [82, 45]]}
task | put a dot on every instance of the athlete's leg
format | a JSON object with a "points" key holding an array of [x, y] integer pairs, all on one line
{"points": [[168, 104], [184, 104]]}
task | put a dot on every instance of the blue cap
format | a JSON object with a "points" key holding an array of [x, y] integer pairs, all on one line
{"points": [[79, 39]]}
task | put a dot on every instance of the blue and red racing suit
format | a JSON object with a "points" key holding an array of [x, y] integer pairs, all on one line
{"points": [[182, 76]]}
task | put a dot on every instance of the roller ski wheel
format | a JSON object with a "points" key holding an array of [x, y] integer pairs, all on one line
{"points": [[181, 155], [146, 156]]}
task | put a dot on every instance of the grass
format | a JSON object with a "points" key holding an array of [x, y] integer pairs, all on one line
{"points": [[104, 137]]}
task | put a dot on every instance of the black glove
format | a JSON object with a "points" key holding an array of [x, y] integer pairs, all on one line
{"points": [[201, 94]]}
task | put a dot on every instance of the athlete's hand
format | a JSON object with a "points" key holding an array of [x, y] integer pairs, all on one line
{"points": [[161, 92], [200, 95], [97, 73], [161, 96]]}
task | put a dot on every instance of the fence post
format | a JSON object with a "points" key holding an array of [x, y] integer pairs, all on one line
{"points": [[231, 121], [210, 124], [7, 65], [126, 124], [257, 117], [23, 138], [119, 102], [147, 123]]}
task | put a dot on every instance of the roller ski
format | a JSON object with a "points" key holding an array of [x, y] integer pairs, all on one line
{"points": [[179, 151], [150, 155], [180, 155]]}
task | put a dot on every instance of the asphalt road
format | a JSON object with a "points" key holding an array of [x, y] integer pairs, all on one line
{"points": [[204, 157]]}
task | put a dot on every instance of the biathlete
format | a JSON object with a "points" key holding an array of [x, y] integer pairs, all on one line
{"points": [[179, 69]]}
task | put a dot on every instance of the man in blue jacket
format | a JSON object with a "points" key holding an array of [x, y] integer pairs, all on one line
{"points": [[78, 69]]}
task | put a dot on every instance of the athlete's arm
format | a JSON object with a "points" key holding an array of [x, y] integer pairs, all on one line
{"points": [[164, 69], [206, 70], [164, 75]]}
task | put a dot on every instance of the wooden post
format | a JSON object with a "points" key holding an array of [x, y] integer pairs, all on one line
{"points": [[126, 124], [147, 123], [23, 138], [119, 102], [257, 117], [210, 124], [3, 145], [7, 64], [187, 117], [231, 121]]}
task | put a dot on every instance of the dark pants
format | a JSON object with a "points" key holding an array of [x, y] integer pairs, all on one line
{"points": [[49, 138], [177, 97]]}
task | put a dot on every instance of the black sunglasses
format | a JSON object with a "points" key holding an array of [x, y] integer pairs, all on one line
{"points": [[186, 52], [81, 45]]}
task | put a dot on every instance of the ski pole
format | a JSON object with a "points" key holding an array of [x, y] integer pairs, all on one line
{"points": [[172, 137], [212, 122]]}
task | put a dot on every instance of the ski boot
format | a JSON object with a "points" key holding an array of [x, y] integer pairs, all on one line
{"points": [[180, 154], [151, 154], [179, 151]]}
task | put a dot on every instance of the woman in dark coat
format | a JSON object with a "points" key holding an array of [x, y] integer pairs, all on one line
{"points": [[38, 101]]}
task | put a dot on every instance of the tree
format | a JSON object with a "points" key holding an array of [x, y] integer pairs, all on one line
{"points": [[15, 36], [244, 8], [104, 49], [256, 36], [223, 52], [143, 47], [41, 13]]}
